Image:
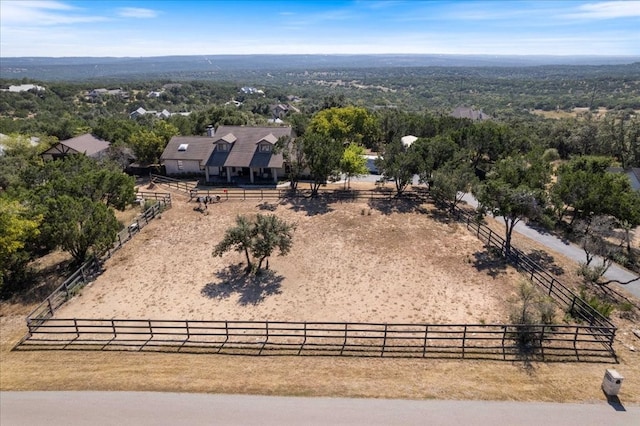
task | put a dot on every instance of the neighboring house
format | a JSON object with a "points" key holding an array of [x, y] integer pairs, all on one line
{"points": [[154, 94], [86, 144], [23, 88], [281, 110], [472, 114], [408, 140], [98, 93], [139, 113], [160, 114], [251, 91], [229, 153]]}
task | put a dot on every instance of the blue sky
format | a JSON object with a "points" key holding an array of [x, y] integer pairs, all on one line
{"points": [[157, 28]]}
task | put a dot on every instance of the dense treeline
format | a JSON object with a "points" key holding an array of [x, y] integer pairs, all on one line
{"points": [[509, 162]]}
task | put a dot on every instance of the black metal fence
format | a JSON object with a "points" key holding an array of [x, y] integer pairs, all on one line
{"points": [[473, 341]]}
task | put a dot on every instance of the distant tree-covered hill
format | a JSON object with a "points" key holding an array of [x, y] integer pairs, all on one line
{"points": [[226, 67]]}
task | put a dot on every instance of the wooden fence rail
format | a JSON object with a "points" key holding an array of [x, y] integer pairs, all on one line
{"points": [[237, 194], [178, 184], [508, 342], [475, 341], [93, 267], [565, 297]]}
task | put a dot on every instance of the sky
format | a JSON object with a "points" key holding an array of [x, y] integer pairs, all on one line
{"points": [[158, 28]]}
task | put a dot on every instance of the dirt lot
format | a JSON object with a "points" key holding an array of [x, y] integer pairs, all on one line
{"points": [[350, 262], [344, 266]]}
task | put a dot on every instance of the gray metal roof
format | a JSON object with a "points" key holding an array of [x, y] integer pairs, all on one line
{"points": [[245, 150], [199, 148]]}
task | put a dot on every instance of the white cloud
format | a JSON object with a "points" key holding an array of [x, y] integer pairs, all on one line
{"points": [[137, 12], [607, 10], [44, 13]]}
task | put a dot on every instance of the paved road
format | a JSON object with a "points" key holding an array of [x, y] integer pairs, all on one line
{"points": [[148, 408], [572, 251]]}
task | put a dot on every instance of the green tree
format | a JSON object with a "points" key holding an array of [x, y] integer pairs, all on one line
{"points": [[147, 146], [17, 227], [515, 190], [322, 156], [271, 233], [399, 163], [347, 125], [292, 151], [81, 226], [257, 239], [585, 186], [353, 163], [433, 153], [452, 181], [81, 176]]}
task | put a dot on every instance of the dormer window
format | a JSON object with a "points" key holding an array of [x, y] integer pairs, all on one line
{"points": [[183, 147], [223, 146], [265, 147]]}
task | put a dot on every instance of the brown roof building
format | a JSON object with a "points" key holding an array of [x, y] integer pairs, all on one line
{"points": [[86, 144]]}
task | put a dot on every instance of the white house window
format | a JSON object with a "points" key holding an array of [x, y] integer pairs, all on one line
{"points": [[223, 146], [265, 147], [180, 165]]}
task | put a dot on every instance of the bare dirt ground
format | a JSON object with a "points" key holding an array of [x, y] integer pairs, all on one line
{"points": [[350, 262], [344, 266]]}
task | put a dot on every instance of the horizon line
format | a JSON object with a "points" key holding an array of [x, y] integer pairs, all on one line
{"points": [[341, 54]]}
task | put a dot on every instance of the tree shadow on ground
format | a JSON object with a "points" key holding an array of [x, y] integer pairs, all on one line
{"points": [[310, 206], [253, 289], [266, 206], [397, 205], [545, 261], [439, 214], [491, 263]]}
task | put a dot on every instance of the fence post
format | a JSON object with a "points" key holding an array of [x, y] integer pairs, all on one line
{"points": [[113, 327], [542, 342], [384, 341], [305, 338], [344, 343], [573, 304], [75, 324], [186, 323], [424, 348], [50, 305], [464, 340], [504, 337], [489, 240]]}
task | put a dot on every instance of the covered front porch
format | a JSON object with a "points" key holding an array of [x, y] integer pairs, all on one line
{"points": [[251, 175]]}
